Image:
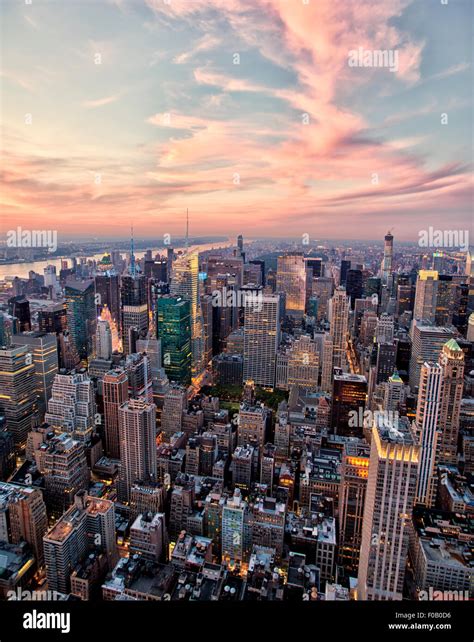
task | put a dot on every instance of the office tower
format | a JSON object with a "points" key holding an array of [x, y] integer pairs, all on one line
{"points": [[134, 310], [175, 403], [261, 340], [292, 280], [345, 267], [18, 394], [209, 452], [391, 487], [339, 316], [315, 267], [461, 308], [72, 408], [51, 281], [303, 363], [236, 529], [387, 262], [354, 286], [451, 361], [52, 318], [254, 423], [151, 347], [322, 288], [107, 289], [89, 523], [115, 393], [348, 404], [445, 300], [427, 342], [23, 517], [19, 307], [7, 452], [267, 466], [327, 361], [353, 487], [268, 523], [394, 395], [229, 369], [148, 536], [361, 306], [137, 367], [386, 360], [368, 326], [405, 298], [174, 330], [426, 295], [385, 329], [427, 429], [137, 430], [240, 243], [43, 348], [185, 284], [63, 462], [103, 340], [207, 318], [81, 314], [261, 264], [8, 327], [242, 466]]}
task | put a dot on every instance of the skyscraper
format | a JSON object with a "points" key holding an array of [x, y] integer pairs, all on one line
{"points": [[103, 340], [81, 314], [427, 427], [339, 318], [391, 486], [107, 289], [261, 340], [185, 284], [134, 308], [18, 391], [174, 329], [115, 392], [426, 296], [427, 342], [451, 361], [72, 406], [137, 429], [43, 348], [387, 262], [292, 280]]}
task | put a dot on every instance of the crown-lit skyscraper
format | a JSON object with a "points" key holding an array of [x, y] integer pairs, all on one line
{"points": [[391, 486]]}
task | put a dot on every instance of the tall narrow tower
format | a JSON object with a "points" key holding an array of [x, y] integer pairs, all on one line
{"points": [[387, 257]]}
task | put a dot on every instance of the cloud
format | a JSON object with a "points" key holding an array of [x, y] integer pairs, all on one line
{"points": [[100, 102]]}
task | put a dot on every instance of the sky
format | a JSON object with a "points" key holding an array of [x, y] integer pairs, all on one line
{"points": [[246, 112]]}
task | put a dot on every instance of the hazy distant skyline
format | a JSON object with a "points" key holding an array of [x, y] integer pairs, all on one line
{"points": [[285, 143]]}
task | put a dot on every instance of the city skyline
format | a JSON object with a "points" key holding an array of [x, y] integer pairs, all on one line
{"points": [[240, 111]]}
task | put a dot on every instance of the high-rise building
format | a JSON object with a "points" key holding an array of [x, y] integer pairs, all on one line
{"points": [[385, 328], [7, 452], [43, 348], [134, 307], [354, 475], [426, 296], [23, 517], [107, 289], [387, 262], [52, 318], [303, 363], [354, 287], [327, 360], [115, 393], [339, 318], [254, 424], [63, 462], [175, 403], [348, 404], [137, 429], [345, 267], [89, 523], [292, 280], [72, 406], [18, 391], [427, 342], [261, 340], [451, 361], [103, 340], [148, 536], [81, 314], [185, 284], [19, 307], [391, 487], [174, 330], [427, 429], [236, 529]]}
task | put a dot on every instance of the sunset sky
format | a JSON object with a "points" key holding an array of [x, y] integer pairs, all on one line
{"points": [[285, 143]]}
